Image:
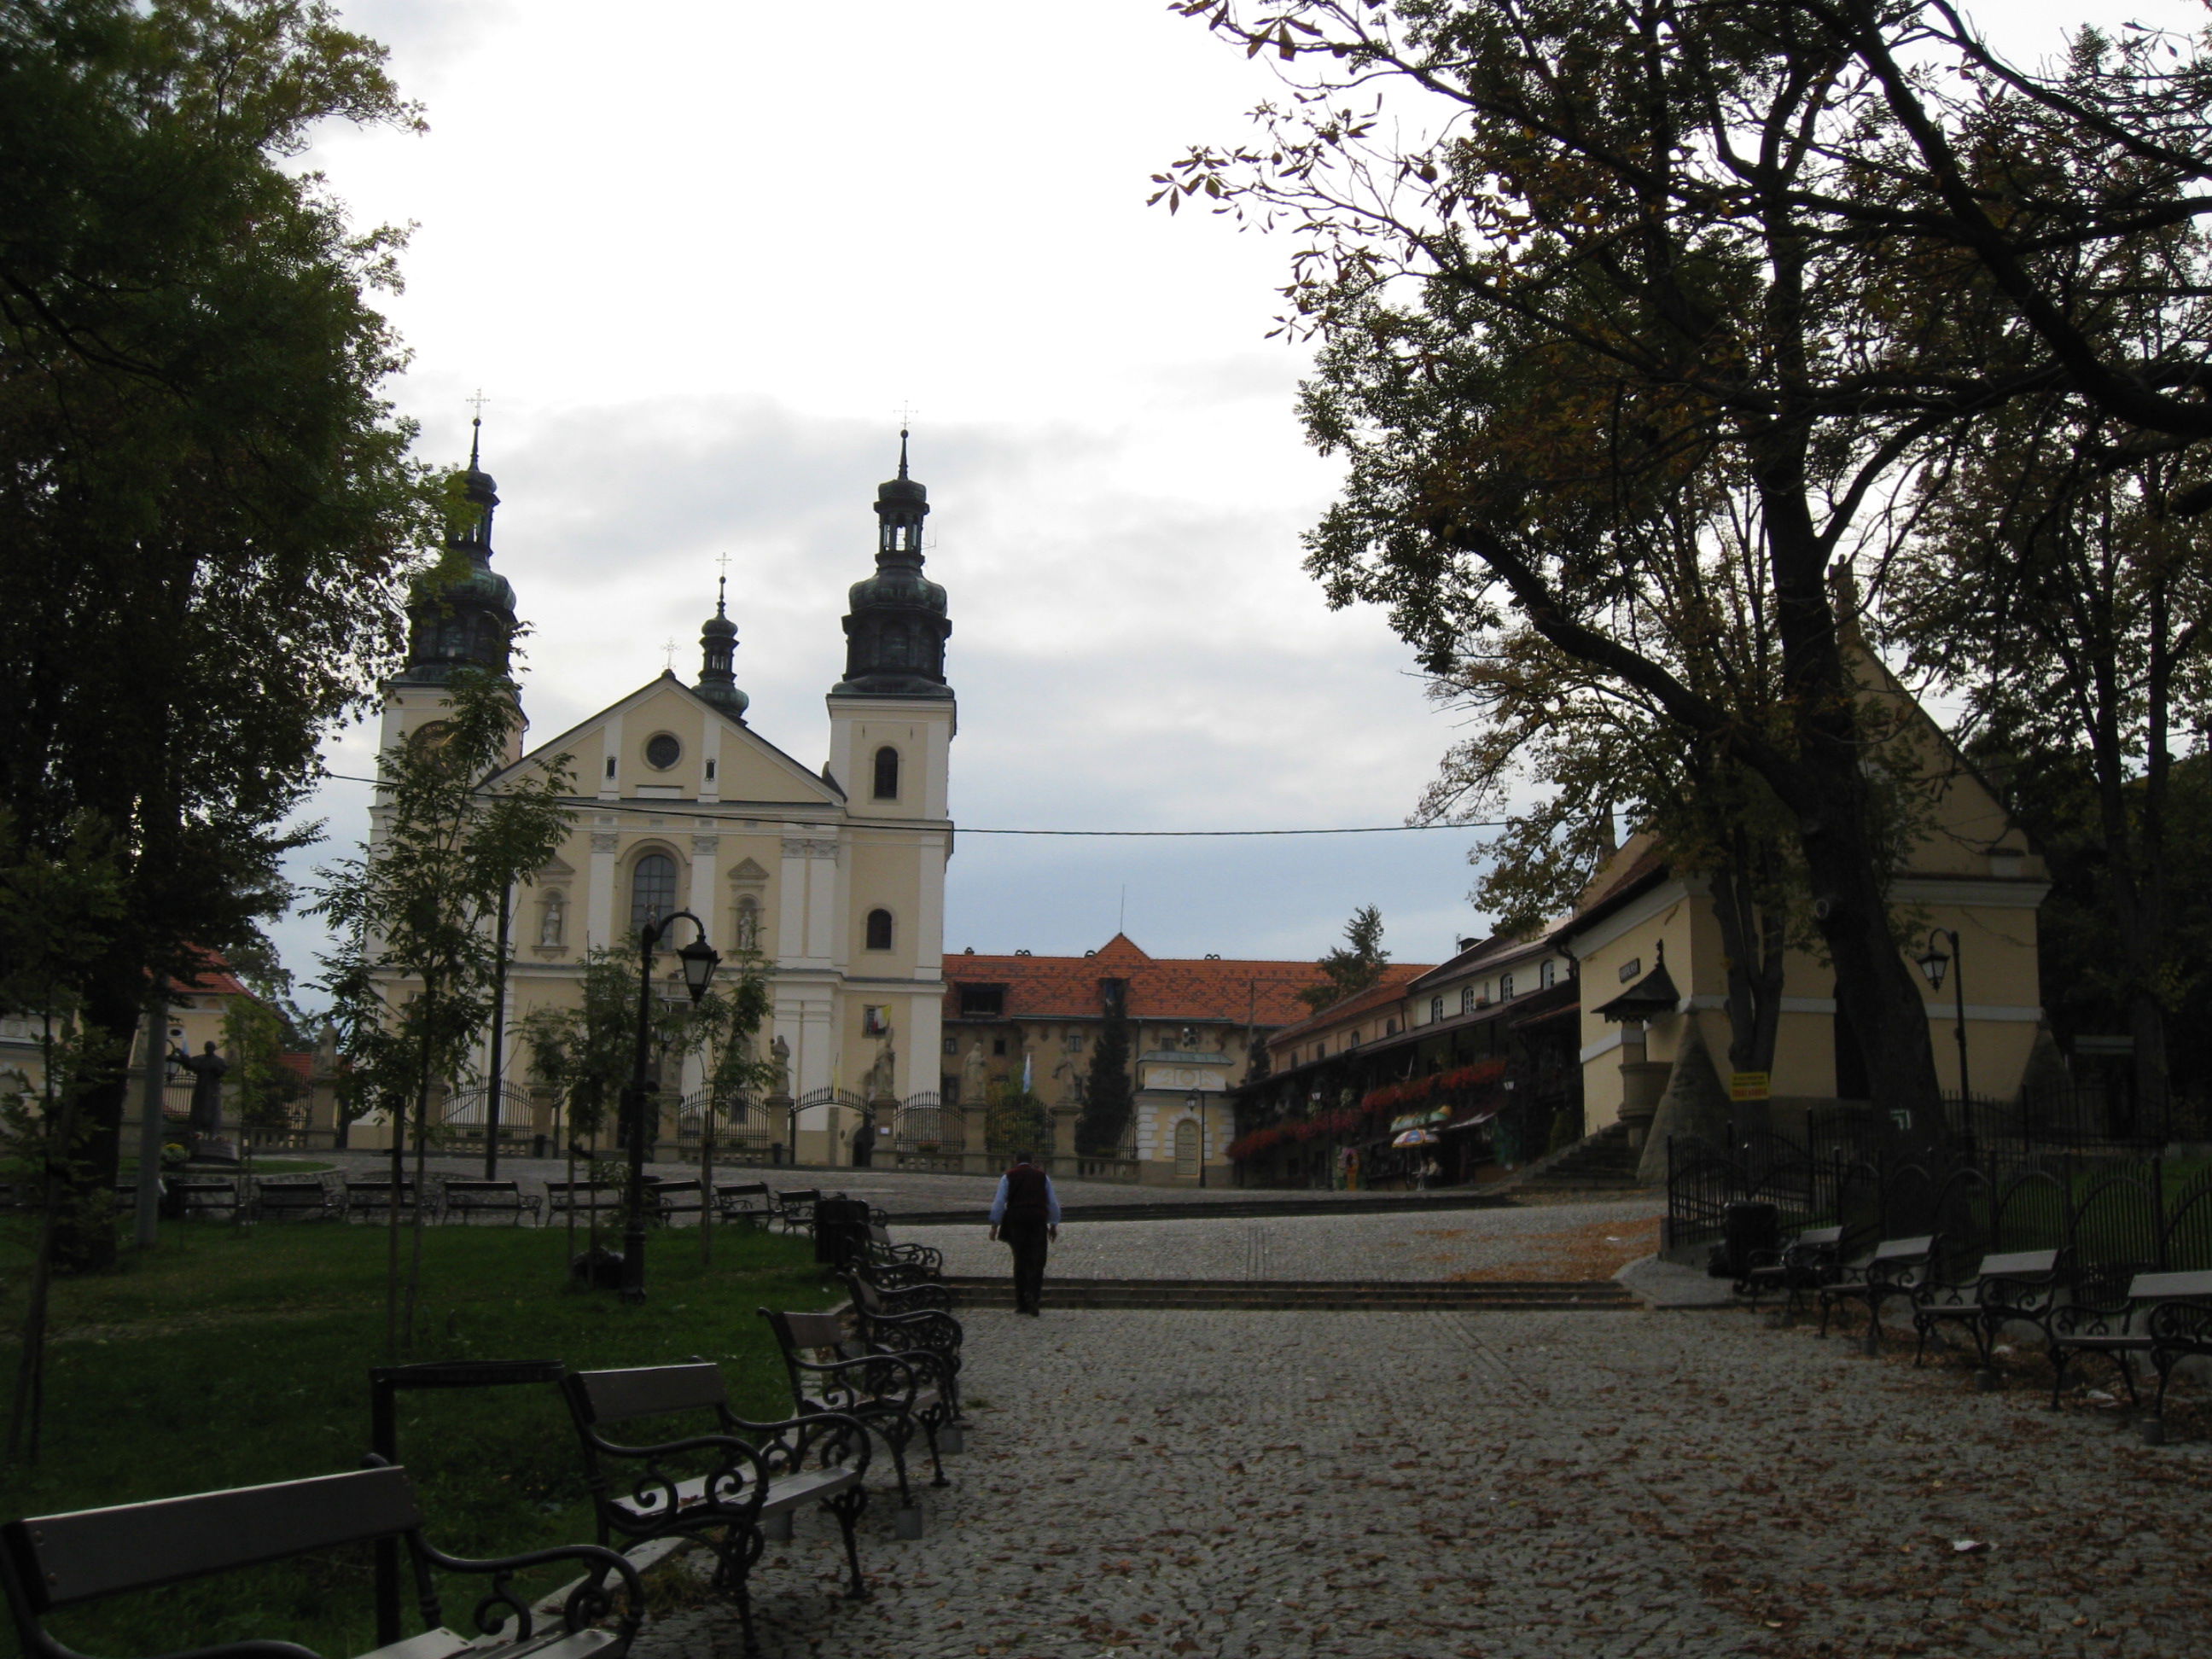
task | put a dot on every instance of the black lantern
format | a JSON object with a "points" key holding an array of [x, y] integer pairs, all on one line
{"points": [[1935, 963], [699, 960]]}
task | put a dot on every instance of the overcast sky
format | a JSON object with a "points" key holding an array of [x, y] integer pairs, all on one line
{"points": [[697, 252]]}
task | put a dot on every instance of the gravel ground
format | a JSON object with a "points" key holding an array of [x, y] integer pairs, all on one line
{"points": [[1559, 1241], [1276, 1485]]}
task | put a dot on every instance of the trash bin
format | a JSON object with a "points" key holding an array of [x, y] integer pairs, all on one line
{"points": [[1749, 1230], [840, 1232]]}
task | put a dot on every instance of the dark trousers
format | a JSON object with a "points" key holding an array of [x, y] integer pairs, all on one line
{"points": [[1026, 1240]]}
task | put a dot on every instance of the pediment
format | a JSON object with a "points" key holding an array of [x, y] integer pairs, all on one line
{"points": [[747, 872], [750, 767]]}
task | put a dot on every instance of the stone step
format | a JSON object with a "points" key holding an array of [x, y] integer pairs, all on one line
{"points": [[1309, 1295]]}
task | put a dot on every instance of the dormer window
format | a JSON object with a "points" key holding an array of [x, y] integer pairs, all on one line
{"points": [[1547, 976], [1436, 1008], [1505, 987]]}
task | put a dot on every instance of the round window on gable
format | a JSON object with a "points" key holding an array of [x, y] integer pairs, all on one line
{"points": [[662, 751]]}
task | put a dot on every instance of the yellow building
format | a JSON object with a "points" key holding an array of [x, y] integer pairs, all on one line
{"points": [[836, 875], [1648, 943]]}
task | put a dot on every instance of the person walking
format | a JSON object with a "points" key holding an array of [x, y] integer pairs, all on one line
{"points": [[1025, 1212]]}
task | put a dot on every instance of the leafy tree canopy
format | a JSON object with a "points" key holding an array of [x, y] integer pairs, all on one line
{"points": [[205, 498], [1353, 966]]}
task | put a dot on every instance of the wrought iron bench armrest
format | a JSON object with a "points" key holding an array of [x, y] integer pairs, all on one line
{"points": [[914, 1367], [586, 1604], [833, 1436]]}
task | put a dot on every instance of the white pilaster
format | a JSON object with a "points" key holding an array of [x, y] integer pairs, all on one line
{"points": [[702, 897], [599, 900]]}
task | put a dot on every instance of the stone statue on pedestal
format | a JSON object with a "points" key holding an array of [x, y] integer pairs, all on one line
{"points": [[207, 1069]]}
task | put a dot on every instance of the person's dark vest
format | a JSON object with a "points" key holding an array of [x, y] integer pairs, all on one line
{"points": [[1025, 1191]]}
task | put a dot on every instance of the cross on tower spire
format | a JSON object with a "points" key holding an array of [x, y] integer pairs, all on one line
{"points": [[476, 426]]}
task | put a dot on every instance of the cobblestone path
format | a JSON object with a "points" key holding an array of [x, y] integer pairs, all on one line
{"points": [[1384, 1485], [1429, 1244]]}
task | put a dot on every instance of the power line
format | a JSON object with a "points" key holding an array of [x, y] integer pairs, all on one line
{"points": [[679, 809]]}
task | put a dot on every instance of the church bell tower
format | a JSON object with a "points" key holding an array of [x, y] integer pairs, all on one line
{"points": [[892, 717], [460, 615]]}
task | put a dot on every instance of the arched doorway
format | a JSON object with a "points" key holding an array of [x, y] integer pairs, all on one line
{"points": [[1186, 1150]]}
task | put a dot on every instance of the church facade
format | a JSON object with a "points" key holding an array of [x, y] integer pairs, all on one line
{"points": [[834, 876]]}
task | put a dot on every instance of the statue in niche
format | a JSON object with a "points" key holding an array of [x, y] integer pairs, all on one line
{"points": [[549, 925], [748, 925]]}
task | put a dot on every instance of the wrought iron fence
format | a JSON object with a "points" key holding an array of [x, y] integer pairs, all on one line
{"points": [[745, 1125], [471, 1109], [2114, 1213], [924, 1124]]}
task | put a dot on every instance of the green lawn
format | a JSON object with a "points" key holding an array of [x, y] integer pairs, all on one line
{"points": [[235, 1355]]}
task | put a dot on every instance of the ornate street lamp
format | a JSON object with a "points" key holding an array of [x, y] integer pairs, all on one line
{"points": [[699, 960], [1934, 964]]}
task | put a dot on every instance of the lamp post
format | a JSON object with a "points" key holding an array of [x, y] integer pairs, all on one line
{"points": [[1195, 1101], [1933, 964], [700, 960]]}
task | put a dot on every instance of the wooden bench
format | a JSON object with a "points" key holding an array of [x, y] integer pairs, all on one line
{"points": [[911, 1322], [1808, 1262], [2022, 1285], [897, 1266], [373, 1199], [671, 1198], [292, 1200], [215, 1195], [731, 1489], [466, 1199], [2168, 1318], [1895, 1267], [750, 1201], [53, 1563], [794, 1210], [587, 1195], [897, 1396]]}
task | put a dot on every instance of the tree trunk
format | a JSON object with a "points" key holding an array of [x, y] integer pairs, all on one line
{"points": [[90, 1167], [1826, 787]]}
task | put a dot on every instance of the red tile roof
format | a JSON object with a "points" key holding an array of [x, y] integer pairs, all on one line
{"points": [[1391, 988], [1232, 990], [211, 978]]}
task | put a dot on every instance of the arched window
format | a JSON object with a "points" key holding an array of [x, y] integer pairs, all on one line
{"points": [[887, 772], [879, 930], [652, 889]]}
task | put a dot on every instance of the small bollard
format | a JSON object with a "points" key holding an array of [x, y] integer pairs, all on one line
{"points": [[776, 1528], [952, 1437], [2153, 1431], [1872, 1344], [1987, 1380], [907, 1521]]}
